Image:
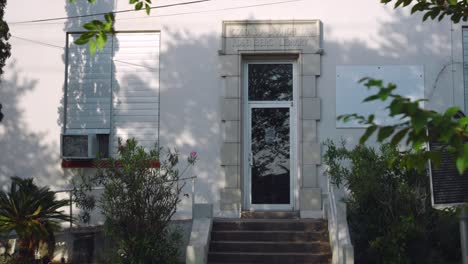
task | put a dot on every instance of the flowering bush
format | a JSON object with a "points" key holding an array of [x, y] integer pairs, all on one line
{"points": [[141, 194]]}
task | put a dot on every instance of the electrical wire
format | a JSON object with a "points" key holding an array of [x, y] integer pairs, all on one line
{"points": [[24, 23], [101, 14], [38, 42], [62, 48], [214, 10]]}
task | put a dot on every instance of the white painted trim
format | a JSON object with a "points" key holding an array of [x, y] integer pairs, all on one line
{"points": [[197, 249], [294, 163]]}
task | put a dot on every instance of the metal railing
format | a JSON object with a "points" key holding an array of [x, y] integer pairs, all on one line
{"points": [[69, 192], [340, 239]]}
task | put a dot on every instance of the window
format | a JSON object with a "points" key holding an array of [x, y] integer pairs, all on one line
{"points": [[112, 94]]}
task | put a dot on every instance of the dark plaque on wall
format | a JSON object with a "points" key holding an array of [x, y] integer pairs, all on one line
{"points": [[448, 187]]}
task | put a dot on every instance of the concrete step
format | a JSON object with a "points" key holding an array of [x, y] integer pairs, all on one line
{"points": [[286, 236], [269, 225], [269, 247], [270, 215], [270, 258]]}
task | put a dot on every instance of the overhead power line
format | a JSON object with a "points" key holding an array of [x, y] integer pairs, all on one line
{"points": [[25, 23], [215, 10], [104, 13], [38, 42]]}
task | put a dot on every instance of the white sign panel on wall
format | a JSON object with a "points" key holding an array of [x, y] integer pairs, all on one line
{"points": [[350, 93]]}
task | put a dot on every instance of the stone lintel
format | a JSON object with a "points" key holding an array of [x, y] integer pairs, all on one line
{"points": [[272, 28]]}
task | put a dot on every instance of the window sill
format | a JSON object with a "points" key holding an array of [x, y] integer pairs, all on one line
{"points": [[104, 164]]}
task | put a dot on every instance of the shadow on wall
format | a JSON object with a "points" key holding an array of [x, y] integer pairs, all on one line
{"points": [[190, 101], [426, 44], [191, 92], [22, 152], [95, 86]]}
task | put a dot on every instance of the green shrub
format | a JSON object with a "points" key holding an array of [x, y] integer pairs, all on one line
{"points": [[389, 207], [34, 214], [141, 194]]}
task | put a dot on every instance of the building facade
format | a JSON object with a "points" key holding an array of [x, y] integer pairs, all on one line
{"points": [[254, 87]]}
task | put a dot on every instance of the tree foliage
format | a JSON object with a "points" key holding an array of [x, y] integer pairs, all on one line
{"points": [[5, 46], [435, 9], [389, 208], [413, 127], [141, 194], [33, 213]]}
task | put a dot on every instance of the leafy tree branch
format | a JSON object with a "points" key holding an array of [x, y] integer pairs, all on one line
{"points": [[417, 125], [435, 9], [98, 30]]}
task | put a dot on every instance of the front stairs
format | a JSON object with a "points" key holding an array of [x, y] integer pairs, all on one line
{"points": [[270, 237]]}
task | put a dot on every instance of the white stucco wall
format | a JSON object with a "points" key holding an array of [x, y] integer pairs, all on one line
{"points": [[354, 32]]}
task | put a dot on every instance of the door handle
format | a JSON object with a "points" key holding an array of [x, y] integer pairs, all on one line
{"points": [[250, 159]]}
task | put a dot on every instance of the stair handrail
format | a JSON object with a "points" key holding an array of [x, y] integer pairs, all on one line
{"points": [[340, 239]]}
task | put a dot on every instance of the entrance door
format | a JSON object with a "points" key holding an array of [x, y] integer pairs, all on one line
{"points": [[269, 136]]}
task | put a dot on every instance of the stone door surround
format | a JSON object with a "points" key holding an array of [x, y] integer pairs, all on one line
{"points": [[250, 39]]}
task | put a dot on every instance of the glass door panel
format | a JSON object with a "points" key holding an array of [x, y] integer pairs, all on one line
{"points": [[270, 158]]}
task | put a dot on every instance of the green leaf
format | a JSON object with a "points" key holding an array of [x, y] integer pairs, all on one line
{"points": [[84, 38], [92, 47], [463, 121], [371, 98], [450, 112], [452, 2], [417, 7], [369, 131], [418, 122], [462, 159], [109, 17], [435, 158], [363, 79], [139, 6], [101, 40], [91, 26], [148, 9], [385, 132], [399, 136], [427, 15], [461, 165], [373, 82]]}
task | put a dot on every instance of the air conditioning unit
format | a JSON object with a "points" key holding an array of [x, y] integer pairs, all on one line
{"points": [[85, 146]]}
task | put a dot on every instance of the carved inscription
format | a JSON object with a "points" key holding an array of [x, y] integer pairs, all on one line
{"points": [[241, 43], [269, 42], [266, 42], [271, 36], [294, 29], [296, 42]]}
